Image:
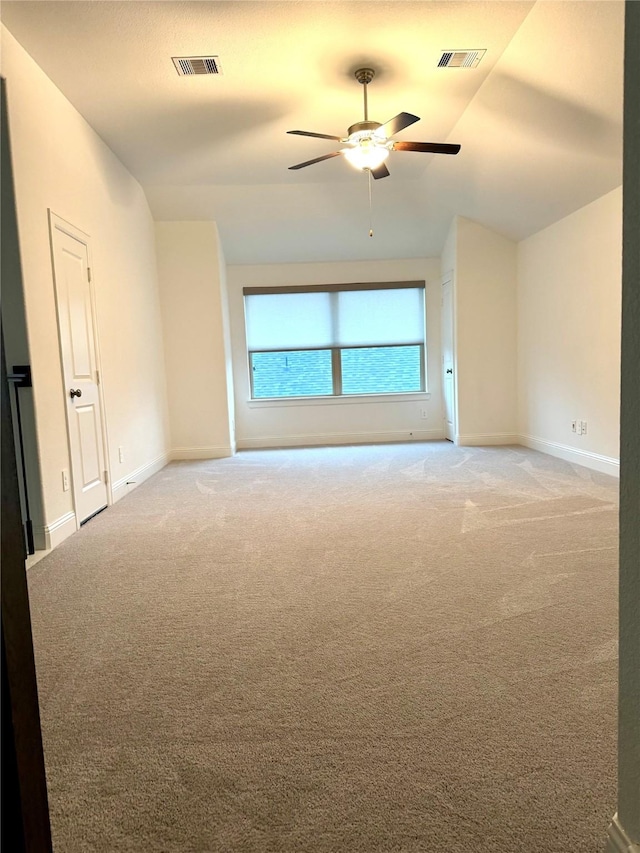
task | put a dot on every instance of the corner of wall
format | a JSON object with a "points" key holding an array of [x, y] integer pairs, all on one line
{"points": [[568, 307], [192, 276]]}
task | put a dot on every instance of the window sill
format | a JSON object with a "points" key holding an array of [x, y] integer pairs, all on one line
{"points": [[348, 399]]}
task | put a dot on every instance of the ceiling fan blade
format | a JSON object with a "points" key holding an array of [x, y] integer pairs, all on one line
{"points": [[316, 160], [427, 147], [397, 123], [380, 171], [317, 135]]}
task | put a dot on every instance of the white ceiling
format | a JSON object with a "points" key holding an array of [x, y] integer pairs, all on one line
{"points": [[539, 121]]}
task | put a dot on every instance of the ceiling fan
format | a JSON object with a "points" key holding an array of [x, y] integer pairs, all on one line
{"points": [[369, 143]]}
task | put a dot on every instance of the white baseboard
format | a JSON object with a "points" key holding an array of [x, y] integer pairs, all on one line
{"points": [[492, 439], [617, 839], [219, 452], [51, 535], [595, 461], [124, 485], [333, 438]]}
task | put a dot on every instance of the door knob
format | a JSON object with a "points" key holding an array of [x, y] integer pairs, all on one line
{"points": [[75, 392], [449, 370]]}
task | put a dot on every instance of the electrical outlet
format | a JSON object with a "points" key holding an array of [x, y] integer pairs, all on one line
{"points": [[121, 454], [583, 425], [423, 413], [65, 480], [574, 426]]}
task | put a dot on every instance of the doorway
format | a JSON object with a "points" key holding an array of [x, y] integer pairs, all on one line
{"points": [[77, 328], [448, 360]]}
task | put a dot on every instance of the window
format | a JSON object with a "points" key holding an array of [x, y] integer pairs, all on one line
{"points": [[335, 340]]}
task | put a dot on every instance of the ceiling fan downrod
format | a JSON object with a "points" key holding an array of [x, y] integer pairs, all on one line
{"points": [[365, 76]]}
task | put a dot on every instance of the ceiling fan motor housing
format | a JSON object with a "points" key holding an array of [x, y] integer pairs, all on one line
{"points": [[368, 126], [365, 75]]}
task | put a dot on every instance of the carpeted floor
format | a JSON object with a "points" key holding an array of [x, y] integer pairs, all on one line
{"points": [[394, 648]]}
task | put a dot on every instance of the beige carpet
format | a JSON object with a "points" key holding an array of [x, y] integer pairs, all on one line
{"points": [[395, 648]]}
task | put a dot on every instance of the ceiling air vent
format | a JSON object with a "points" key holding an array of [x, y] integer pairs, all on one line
{"points": [[189, 65], [460, 58]]}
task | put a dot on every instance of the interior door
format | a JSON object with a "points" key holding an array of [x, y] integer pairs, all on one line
{"points": [[78, 348], [448, 378]]}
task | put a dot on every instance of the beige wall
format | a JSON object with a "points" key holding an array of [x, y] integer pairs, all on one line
{"points": [[448, 257], [483, 264], [332, 421], [192, 286], [569, 291], [485, 334], [60, 163], [228, 353]]}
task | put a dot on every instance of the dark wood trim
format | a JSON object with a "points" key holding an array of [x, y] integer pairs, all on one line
{"points": [[336, 371], [629, 583], [333, 288], [250, 355], [25, 807]]}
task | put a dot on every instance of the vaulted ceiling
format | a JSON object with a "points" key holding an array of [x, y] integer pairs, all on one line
{"points": [[539, 119]]}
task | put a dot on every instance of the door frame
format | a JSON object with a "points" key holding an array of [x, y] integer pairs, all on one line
{"points": [[57, 222], [449, 278]]}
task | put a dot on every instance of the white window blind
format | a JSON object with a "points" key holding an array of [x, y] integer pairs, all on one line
{"points": [[278, 321], [378, 317], [335, 318]]}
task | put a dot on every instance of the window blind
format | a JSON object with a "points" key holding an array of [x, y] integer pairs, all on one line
{"points": [[343, 317]]}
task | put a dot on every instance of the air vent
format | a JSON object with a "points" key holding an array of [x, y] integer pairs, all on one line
{"points": [[460, 58], [189, 65]]}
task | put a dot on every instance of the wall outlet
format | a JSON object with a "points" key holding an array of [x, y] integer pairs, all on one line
{"points": [[423, 413], [120, 454], [583, 427], [65, 480]]}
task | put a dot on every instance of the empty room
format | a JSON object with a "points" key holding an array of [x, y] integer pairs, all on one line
{"points": [[320, 425]]}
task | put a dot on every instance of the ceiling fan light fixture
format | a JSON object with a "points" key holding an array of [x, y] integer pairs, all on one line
{"points": [[367, 154], [369, 142]]}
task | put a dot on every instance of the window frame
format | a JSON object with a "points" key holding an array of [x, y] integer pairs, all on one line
{"points": [[336, 361], [336, 371]]}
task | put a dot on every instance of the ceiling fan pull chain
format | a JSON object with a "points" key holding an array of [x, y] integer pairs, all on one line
{"points": [[370, 207]]}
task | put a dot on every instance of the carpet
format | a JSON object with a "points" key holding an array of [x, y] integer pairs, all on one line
{"points": [[405, 647]]}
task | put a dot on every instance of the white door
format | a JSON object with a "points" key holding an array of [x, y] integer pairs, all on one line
{"points": [[448, 379], [78, 348]]}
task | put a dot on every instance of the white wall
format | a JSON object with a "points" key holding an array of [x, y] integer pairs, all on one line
{"points": [[569, 304], [60, 163], [335, 420], [197, 350]]}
